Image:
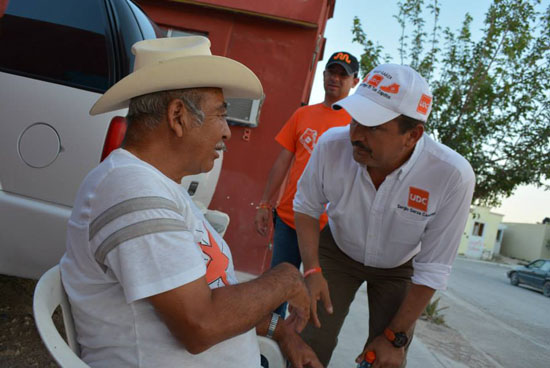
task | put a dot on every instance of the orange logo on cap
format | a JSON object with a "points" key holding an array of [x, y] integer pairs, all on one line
{"points": [[342, 56], [418, 199], [424, 104], [392, 88], [375, 80]]}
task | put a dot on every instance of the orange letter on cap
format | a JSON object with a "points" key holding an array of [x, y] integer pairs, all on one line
{"points": [[375, 80], [392, 88], [343, 57]]}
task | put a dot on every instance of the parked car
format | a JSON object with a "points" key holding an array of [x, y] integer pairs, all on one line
{"points": [[536, 274], [57, 58]]}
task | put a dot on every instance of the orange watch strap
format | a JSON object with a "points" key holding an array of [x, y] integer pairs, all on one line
{"points": [[389, 334]]}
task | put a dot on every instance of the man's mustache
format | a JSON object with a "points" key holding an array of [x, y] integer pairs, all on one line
{"points": [[359, 144], [221, 147]]}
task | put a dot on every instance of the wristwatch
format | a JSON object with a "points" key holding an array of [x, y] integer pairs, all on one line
{"points": [[398, 339], [272, 325]]}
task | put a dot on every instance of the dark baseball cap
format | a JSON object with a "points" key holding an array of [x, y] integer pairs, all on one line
{"points": [[346, 60]]}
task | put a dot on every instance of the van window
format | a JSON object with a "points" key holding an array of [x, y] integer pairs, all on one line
{"points": [[148, 28], [62, 42]]}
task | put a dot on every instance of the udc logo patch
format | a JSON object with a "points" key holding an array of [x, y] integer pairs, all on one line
{"points": [[418, 199]]}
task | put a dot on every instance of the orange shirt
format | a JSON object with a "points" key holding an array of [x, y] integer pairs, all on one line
{"points": [[299, 135]]}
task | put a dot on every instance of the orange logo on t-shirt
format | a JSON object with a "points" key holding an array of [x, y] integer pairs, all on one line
{"points": [[375, 80], [418, 199], [424, 104], [309, 139], [218, 262]]}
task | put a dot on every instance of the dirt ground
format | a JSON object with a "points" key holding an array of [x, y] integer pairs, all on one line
{"points": [[20, 344]]}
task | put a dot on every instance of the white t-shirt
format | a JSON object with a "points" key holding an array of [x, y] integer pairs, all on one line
{"points": [[419, 210], [134, 233]]}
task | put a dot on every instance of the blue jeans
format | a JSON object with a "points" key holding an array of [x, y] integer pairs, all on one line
{"points": [[285, 249]]}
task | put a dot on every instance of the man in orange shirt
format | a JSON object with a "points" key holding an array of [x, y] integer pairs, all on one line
{"points": [[298, 138]]}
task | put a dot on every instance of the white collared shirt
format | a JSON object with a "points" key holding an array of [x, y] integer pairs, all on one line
{"points": [[420, 210]]}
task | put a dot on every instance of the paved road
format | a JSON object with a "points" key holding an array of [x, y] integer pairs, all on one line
{"points": [[491, 324], [510, 325]]}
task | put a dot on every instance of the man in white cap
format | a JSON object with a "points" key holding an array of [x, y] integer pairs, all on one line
{"points": [[397, 206], [150, 282]]}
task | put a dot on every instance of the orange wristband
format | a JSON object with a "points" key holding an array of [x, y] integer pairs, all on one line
{"points": [[312, 271], [265, 205]]}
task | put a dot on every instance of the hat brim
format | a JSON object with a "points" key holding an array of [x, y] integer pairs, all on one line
{"points": [[365, 111], [234, 78], [349, 70]]}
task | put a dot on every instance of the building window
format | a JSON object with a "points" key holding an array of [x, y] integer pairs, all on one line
{"points": [[478, 229], [171, 32], [499, 235]]}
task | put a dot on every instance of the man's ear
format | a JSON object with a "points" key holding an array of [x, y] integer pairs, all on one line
{"points": [[355, 81], [415, 134], [177, 117]]}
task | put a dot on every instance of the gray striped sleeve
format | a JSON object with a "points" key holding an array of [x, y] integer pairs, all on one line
{"points": [[128, 206], [134, 231]]}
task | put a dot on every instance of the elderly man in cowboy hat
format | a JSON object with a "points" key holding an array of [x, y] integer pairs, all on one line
{"points": [[150, 282]]}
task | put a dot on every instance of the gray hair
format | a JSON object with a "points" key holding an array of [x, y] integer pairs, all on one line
{"points": [[149, 110]]}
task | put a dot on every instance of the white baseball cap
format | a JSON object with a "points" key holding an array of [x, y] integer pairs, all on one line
{"points": [[389, 90]]}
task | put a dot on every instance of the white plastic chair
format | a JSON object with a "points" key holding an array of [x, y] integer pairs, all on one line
{"points": [[49, 294], [271, 352]]}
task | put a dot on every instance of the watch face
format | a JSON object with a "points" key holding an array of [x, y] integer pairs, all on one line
{"points": [[400, 340]]}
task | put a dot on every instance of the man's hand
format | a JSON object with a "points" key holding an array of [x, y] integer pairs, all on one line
{"points": [[262, 220], [387, 355], [294, 348], [276, 176], [307, 229], [318, 290], [299, 307]]}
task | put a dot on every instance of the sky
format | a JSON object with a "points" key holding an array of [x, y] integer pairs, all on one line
{"points": [[528, 204]]}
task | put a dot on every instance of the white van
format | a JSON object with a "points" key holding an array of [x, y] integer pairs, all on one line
{"points": [[56, 58]]}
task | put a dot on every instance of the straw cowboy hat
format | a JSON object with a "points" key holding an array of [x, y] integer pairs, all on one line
{"points": [[181, 62]]}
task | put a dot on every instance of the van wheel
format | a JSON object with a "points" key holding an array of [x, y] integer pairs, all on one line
{"points": [[546, 289], [514, 279]]}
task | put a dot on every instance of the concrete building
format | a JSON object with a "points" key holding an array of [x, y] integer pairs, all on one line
{"points": [[526, 241], [483, 234]]}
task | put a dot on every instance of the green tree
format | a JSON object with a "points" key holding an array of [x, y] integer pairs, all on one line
{"points": [[491, 96]]}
